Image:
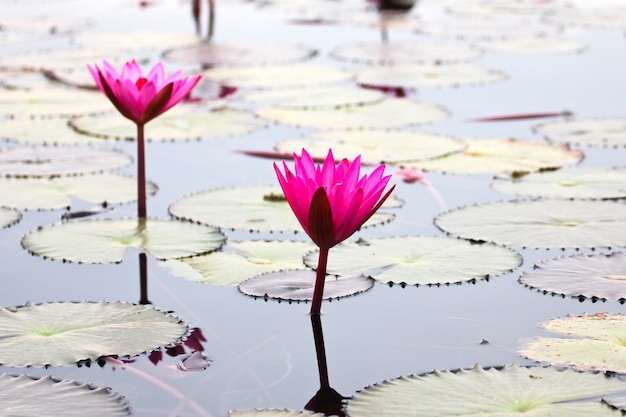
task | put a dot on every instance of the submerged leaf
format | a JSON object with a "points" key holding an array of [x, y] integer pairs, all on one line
{"points": [[66, 333]]}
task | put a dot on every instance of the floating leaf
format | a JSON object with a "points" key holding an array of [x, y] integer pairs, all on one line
{"points": [[533, 46], [52, 131], [9, 217], [257, 208], [540, 224], [102, 241], [272, 413], [298, 285], [419, 260], [50, 25], [427, 75], [613, 16], [182, 122], [45, 161], [69, 59], [375, 145], [491, 155], [588, 132], [595, 276], [42, 102], [504, 392], [66, 333], [316, 97], [390, 113], [391, 53], [240, 261], [590, 342], [209, 54], [133, 41], [569, 182], [278, 76], [26, 396], [54, 193], [488, 28]]}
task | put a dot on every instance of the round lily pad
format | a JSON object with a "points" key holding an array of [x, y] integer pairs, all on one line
{"points": [[397, 113], [46, 161], [589, 342], [49, 131], [256, 208], [612, 16], [391, 53], [298, 285], [375, 145], [26, 396], [183, 122], [569, 182], [549, 224], [419, 260], [492, 155], [9, 217], [106, 241], [594, 277], [239, 261], [316, 97], [45, 25], [494, 9], [533, 46], [589, 132], [133, 41], [211, 54], [504, 392], [49, 102], [428, 75], [67, 333], [56, 192], [278, 76], [16, 79], [75, 59], [488, 28], [272, 413]]}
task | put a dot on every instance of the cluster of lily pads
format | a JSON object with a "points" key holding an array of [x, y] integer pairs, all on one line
{"points": [[368, 108]]}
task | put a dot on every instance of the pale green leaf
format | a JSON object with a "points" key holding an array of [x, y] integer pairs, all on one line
{"points": [[50, 131], [533, 46], [316, 97], [272, 413], [588, 132], [9, 217], [613, 16], [42, 102]]}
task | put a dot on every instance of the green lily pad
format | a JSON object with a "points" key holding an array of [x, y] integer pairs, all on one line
{"points": [[392, 53], [428, 75], [298, 285], [397, 113], [47, 161], [419, 260], [106, 241], [25, 396], [595, 276], [589, 342], [375, 145], [9, 217], [587, 132], [533, 46], [272, 413], [569, 182], [56, 192], [67, 333], [239, 261], [278, 76], [51, 131], [491, 155], [549, 224], [183, 122], [255, 209], [504, 392], [51, 102], [316, 97]]}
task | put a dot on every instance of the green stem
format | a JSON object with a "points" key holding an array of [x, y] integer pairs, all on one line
{"points": [[320, 279], [141, 173]]}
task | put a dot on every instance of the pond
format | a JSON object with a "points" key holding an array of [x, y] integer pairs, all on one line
{"points": [[261, 354]]}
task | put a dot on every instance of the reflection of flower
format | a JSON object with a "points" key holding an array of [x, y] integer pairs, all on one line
{"points": [[331, 202], [193, 342]]}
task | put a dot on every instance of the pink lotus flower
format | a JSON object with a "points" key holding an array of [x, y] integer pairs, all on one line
{"points": [[331, 202], [142, 98]]}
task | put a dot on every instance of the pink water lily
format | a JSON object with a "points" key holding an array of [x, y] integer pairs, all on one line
{"points": [[331, 202]]}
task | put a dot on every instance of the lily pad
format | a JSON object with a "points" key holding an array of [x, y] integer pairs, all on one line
{"points": [[397, 112], [67, 333], [133, 41], [419, 260], [488, 28], [74, 59], [51, 102], [592, 17], [504, 392], [533, 46], [255, 209], [9, 217], [106, 241], [183, 122], [272, 413], [595, 276], [26, 396], [211, 54], [492, 155], [588, 132], [590, 342], [549, 224], [56, 192], [375, 145], [391, 53], [298, 285], [278, 76], [50, 25], [569, 182], [316, 97], [46, 161], [51, 131], [240, 261], [428, 75]]}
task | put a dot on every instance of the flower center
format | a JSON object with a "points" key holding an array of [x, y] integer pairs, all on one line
{"points": [[140, 83]]}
